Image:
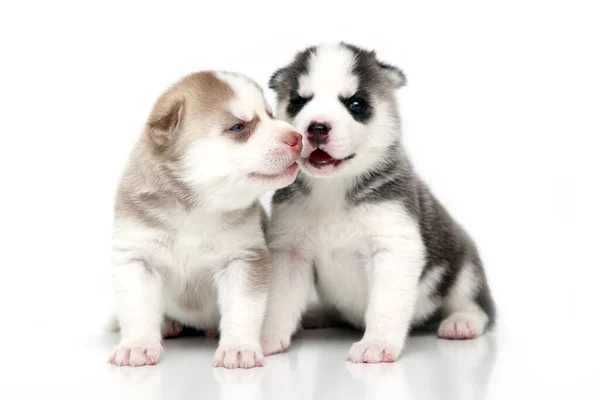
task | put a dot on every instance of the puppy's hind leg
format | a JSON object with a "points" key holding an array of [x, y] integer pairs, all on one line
{"points": [[140, 309], [468, 307], [170, 328]]}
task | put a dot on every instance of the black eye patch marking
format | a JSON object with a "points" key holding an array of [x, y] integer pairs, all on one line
{"points": [[358, 106], [296, 104]]}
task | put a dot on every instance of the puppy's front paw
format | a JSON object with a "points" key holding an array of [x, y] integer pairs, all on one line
{"points": [[135, 355], [374, 351], [238, 356]]}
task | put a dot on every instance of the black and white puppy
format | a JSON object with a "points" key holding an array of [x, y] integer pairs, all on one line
{"points": [[384, 254]]}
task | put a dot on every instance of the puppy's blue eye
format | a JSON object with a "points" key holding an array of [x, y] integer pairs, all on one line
{"points": [[356, 104], [237, 128]]}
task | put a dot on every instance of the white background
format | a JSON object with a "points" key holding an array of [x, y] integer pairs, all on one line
{"points": [[501, 117]]}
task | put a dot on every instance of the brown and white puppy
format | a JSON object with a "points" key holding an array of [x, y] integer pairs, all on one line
{"points": [[189, 246]]}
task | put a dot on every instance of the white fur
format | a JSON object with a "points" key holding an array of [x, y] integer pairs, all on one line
{"points": [[330, 73], [202, 252], [426, 305], [292, 272], [368, 260], [139, 295], [240, 335], [461, 294], [396, 264]]}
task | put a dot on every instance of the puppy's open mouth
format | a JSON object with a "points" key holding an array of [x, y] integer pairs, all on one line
{"points": [[320, 159], [288, 172]]}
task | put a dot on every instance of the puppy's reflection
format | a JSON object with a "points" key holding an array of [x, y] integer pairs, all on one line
{"points": [[335, 377], [283, 378], [239, 383], [382, 381], [430, 368], [467, 366], [138, 383]]}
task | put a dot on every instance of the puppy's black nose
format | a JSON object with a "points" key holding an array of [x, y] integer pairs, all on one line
{"points": [[318, 133]]}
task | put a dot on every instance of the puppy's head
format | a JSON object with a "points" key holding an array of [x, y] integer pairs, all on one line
{"points": [[220, 138], [341, 98]]}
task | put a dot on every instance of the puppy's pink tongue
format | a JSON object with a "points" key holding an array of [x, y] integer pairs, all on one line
{"points": [[320, 157]]}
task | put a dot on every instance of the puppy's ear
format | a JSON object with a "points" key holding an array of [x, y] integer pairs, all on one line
{"points": [[394, 74], [165, 120], [276, 79]]}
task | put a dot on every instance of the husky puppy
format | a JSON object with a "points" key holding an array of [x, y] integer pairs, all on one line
{"points": [[189, 246], [358, 223]]}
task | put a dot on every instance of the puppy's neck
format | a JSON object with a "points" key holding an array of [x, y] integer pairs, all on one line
{"points": [[224, 198], [329, 190]]}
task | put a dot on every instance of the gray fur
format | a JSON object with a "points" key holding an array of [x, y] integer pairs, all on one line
{"points": [[297, 189]]}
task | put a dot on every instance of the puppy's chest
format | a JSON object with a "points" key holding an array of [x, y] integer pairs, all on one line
{"points": [[343, 251], [197, 247], [336, 231], [340, 243], [190, 258]]}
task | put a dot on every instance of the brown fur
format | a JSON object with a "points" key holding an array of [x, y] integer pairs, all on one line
{"points": [[237, 218], [190, 298], [163, 122], [151, 182]]}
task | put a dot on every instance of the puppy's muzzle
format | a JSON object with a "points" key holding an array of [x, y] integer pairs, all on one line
{"points": [[294, 141]]}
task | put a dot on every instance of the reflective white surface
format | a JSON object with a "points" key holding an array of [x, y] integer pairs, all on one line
{"points": [[495, 366]]}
